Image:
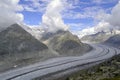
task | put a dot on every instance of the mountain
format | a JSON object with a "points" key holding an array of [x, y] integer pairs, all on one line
{"points": [[65, 43], [17, 43], [48, 35], [98, 37], [34, 31], [114, 41]]}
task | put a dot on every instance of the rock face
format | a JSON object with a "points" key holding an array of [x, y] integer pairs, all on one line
{"points": [[98, 37], [65, 43], [15, 41], [114, 40]]}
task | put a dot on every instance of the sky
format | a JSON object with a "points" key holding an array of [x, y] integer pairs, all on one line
{"points": [[79, 16]]}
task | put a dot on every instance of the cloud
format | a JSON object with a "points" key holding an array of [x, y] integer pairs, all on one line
{"points": [[107, 22], [86, 31], [52, 18], [114, 17], [9, 12], [75, 24], [102, 26], [111, 20], [35, 5], [87, 12], [103, 1]]}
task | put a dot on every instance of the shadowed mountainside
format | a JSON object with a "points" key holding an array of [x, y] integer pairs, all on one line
{"points": [[114, 41]]}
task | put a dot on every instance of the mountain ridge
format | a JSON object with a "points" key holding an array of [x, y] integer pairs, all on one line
{"points": [[15, 41], [97, 37], [65, 43]]}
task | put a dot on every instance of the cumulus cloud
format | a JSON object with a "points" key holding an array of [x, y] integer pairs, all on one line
{"points": [[52, 18], [87, 31], [111, 20], [114, 17], [102, 26], [107, 22], [9, 12]]}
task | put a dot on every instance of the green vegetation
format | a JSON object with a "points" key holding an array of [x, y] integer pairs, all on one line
{"points": [[115, 78], [108, 70]]}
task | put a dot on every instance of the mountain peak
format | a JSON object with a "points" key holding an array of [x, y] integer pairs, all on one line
{"points": [[15, 27], [15, 24], [19, 41]]}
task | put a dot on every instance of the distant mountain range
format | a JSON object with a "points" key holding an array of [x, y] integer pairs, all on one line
{"points": [[19, 42], [98, 37], [109, 38]]}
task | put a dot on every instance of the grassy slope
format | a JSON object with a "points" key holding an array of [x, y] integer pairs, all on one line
{"points": [[108, 70]]}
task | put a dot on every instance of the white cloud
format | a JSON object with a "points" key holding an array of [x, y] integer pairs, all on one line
{"points": [[36, 5], [53, 9], [75, 24], [103, 1], [69, 6], [52, 17], [110, 20], [86, 31], [9, 14], [106, 22], [102, 26], [27, 8], [88, 12], [114, 17]]}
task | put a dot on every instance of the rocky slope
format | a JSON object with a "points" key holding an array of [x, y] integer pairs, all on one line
{"points": [[98, 37], [48, 35], [18, 46], [114, 41], [65, 43], [108, 70]]}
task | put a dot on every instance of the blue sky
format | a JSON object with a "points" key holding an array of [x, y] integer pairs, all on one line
{"points": [[79, 14], [81, 17]]}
